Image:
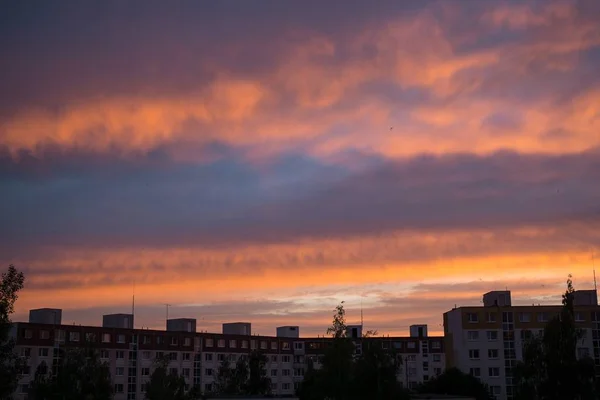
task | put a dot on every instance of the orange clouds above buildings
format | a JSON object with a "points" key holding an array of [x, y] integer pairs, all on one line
{"points": [[414, 155]]}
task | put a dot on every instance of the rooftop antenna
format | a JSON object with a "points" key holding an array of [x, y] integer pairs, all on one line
{"points": [[167, 305], [594, 268], [361, 312], [133, 304]]}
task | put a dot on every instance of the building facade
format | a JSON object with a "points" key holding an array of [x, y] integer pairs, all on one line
{"points": [[197, 356], [487, 341]]}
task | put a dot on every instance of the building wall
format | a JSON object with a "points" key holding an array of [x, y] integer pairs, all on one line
{"points": [[477, 334], [197, 356]]}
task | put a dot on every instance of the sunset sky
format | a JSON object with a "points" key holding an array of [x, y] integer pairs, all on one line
{"points": [[263, 160]]}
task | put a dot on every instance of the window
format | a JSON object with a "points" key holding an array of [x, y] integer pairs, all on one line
{"points": [[146, 355], [118, 388], [492, 335], [542, 317], [173, 341], [274, 386], [473, 335], [385, 345], [221, 343], [273, 372], [106, 338], [120, 371], [44, 335], [253, 344], [273, 358], [208, 357], [526, 334], [490, 317], [437, 358], [232, 358], [285, 359], [232, 344], [437, 371], [425, 366], [494, 372], [185, 372], [186, 356], [286, 372], [26, 352], [583, 352], [159, 354], [209, 343], [27, 369], [273, 345], [244, 344], [74, 336], [285, 346], [299, 359], [476, 372], [263, 344], [579, 317], [187, 341], [285, 386], [492, 353], [298, 345], [173, 356], [208, 372], [220, 357], [104, 354], [145, 371], [412, 371], [146, 339], [120, 354], [411, 357], [495, 390], [173, 371], [27, 334], [524, 317], [298, 371], [43, 352], [436, 344], [411, 345], [120, 338], [474, 354], [160, 339], [472, 317]]}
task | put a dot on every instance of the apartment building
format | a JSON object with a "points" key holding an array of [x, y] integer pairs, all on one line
{"points": [[197, 356], [487, 341]]}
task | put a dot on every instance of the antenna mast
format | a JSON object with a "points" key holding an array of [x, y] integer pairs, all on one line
{"points": [[361, 313], [133, 304], [594, 266], [167, 305]]}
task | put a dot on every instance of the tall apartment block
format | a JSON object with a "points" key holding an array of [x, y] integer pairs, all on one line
{"points": [[487, 341], [197, 356]]}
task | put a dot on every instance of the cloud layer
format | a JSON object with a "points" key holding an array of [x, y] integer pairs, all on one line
{"points": [[321, 151]]}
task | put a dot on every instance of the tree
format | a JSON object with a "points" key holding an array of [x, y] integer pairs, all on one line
{"points": [[232, 381], [455, 382], [375, 374], [164, 385], [11, 365], [258, 382], [79, 374], [345, 376], [550, 368]]}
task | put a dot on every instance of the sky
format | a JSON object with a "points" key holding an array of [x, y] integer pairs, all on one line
{"points": [[262, 161]]}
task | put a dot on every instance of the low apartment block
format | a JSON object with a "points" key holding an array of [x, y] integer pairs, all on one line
{"points": [[487, 341], [197, 356]]}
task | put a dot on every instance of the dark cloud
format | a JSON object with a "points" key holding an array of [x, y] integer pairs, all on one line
{"points": [[227, 202]]}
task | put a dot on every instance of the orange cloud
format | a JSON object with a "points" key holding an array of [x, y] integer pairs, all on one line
{"points": [[411, 52]]}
